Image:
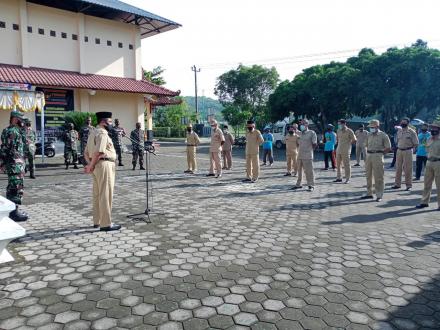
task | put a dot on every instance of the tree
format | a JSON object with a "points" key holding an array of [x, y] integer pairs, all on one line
{"points": [[173, 115], [154, 76], [247, 90], [236, 117]]}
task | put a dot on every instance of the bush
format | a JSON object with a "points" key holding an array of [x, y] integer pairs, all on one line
{"points": [[79, 119], [169, 132]]}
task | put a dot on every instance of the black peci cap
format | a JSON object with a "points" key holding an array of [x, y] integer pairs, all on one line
{"points": [[103, 115]]}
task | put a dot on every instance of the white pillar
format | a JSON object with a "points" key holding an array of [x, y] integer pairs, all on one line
{"points": [[137, 53], [82, 44], [84, 100], [141, 111], [25, 62]]}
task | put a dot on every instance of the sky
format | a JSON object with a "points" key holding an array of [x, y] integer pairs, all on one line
{"points": [[290, 35]]}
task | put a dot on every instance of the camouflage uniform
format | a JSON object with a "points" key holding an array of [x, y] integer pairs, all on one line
{"points": [[84, 135], [118, 133], [138, 137], [12, 154], [71, 148], [29, 150]]}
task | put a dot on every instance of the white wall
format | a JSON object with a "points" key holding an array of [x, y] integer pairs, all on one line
{"points": [[10, 52]]}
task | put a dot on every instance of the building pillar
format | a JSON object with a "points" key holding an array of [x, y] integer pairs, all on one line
{"points": [[81, 44], [149, 120], [137, 53], [23, 34], [84, 100]]}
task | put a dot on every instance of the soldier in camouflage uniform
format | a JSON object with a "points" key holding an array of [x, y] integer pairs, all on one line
{"points": [[137, 137], [71, 146], [29, 148], [84, 135], [118, 134], [12, 161]]}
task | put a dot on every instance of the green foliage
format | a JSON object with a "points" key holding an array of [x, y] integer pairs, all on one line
{"points": [[246, 90], [155, 76], [79, 119], [173, 115], [397, 83], [207, 106]]}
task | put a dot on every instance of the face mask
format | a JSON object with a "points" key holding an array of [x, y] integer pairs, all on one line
{"points": [[302, 128], [189, 130], [109, 127], [373, 130], [290, 132], [361, 129], [340, 126], [404, 125], [434, 132], [424, 130], [250, 129]]}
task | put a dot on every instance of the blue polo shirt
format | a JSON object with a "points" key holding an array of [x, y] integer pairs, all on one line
{"points": [[268, 141], [330, 141], [423, 139]]}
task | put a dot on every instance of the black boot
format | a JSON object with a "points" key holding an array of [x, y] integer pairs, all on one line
{"points": [[142, 167], [120, 164], [134, 167], [18, 216], [32, 175], [67, 166], [75, 166]]}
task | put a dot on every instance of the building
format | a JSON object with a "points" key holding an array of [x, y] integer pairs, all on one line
{"points": [[84, 55]]}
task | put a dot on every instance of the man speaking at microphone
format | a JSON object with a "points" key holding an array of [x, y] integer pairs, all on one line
{"points": [[101, 156]]}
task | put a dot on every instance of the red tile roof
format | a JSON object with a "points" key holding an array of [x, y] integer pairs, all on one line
{"points": [[70, 79]]}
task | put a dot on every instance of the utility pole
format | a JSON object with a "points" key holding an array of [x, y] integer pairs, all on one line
{"points": [[195, 70]]}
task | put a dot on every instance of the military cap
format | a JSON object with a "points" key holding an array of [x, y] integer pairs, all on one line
{"points": [[103, 115], [17, 114], [374, 123]]}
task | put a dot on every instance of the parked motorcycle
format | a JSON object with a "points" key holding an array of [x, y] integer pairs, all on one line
{"points": [[240, 142], [49, 149]]}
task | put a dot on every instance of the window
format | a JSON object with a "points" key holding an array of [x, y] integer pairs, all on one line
{"points": [[74, 37], [2, 24], [97, 41], [63, 35], [15, 27], [29, 29], [120, 45], [41, 31], [53, 33], [109, 43], [86, 39], [130, 46]]}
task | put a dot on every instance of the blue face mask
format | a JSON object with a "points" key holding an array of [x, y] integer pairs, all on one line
{"points": [[340, 126], [302, 128], [373, 130]]}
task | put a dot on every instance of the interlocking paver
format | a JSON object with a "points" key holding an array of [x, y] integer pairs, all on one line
{"points": [[222, 254]]}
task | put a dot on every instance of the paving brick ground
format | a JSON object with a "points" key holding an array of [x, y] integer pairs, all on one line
{"points": [[221, 254]]}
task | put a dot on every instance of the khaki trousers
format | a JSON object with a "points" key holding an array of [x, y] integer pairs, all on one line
{"points": [[361, 150], [215, 163], [404, 163], [227, 159], [343, 158], [252, 167], [432, 173], [292, 164], [374, 169], [191, 158], [307, 166], [103, 185]]}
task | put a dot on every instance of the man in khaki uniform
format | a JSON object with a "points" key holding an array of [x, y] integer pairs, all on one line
{"points": [[346, 138], [217, 141], [407, 141], [227, 148], [432, 169], [377, 144], [100, 155], [192, 141], [292, 150], [361, 140], [306, 144], [253, 141]]}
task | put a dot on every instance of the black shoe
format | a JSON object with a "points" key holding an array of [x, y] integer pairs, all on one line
{"points": [[141, 168], [95, 226], [421, 206], [67, 166], [311, 188], [395, 187], [111, 228], [187, 171], [18, 216], [325, 169], [357, 165], [120, 164], [337, 180], [367, 197], [379, 199], [32, 176], [416, 179], [287, 174], [408, 188], [246, 180], [210, 174], [134, 167], [296, 187], [75, 167]]}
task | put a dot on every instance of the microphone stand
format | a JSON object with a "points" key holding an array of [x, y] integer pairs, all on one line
{"points": [[148, 148]]}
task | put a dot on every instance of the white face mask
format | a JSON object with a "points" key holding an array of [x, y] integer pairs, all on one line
{"points": [[373, 129], [302, 128]]}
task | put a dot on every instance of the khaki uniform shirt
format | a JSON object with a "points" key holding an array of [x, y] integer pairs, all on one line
{"points": [[217, 138], [378, 142], [229, 142], [306, 141], [361, 137], [292, 144], [433, 147], [407, 138], [253, 141], [345, 138], [192, 139], [100, 141]]}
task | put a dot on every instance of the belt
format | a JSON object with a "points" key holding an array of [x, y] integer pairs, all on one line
{"points": [[375, 151], [432, 159], [106, 159], [191, 145], [403, 149]]}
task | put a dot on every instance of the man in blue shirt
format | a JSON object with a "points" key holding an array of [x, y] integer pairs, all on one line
{"points": [[329, 147], [422, 155], [267, 147]]}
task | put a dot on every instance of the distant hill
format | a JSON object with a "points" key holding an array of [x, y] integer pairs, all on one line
{"points": [[207, 106]]}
